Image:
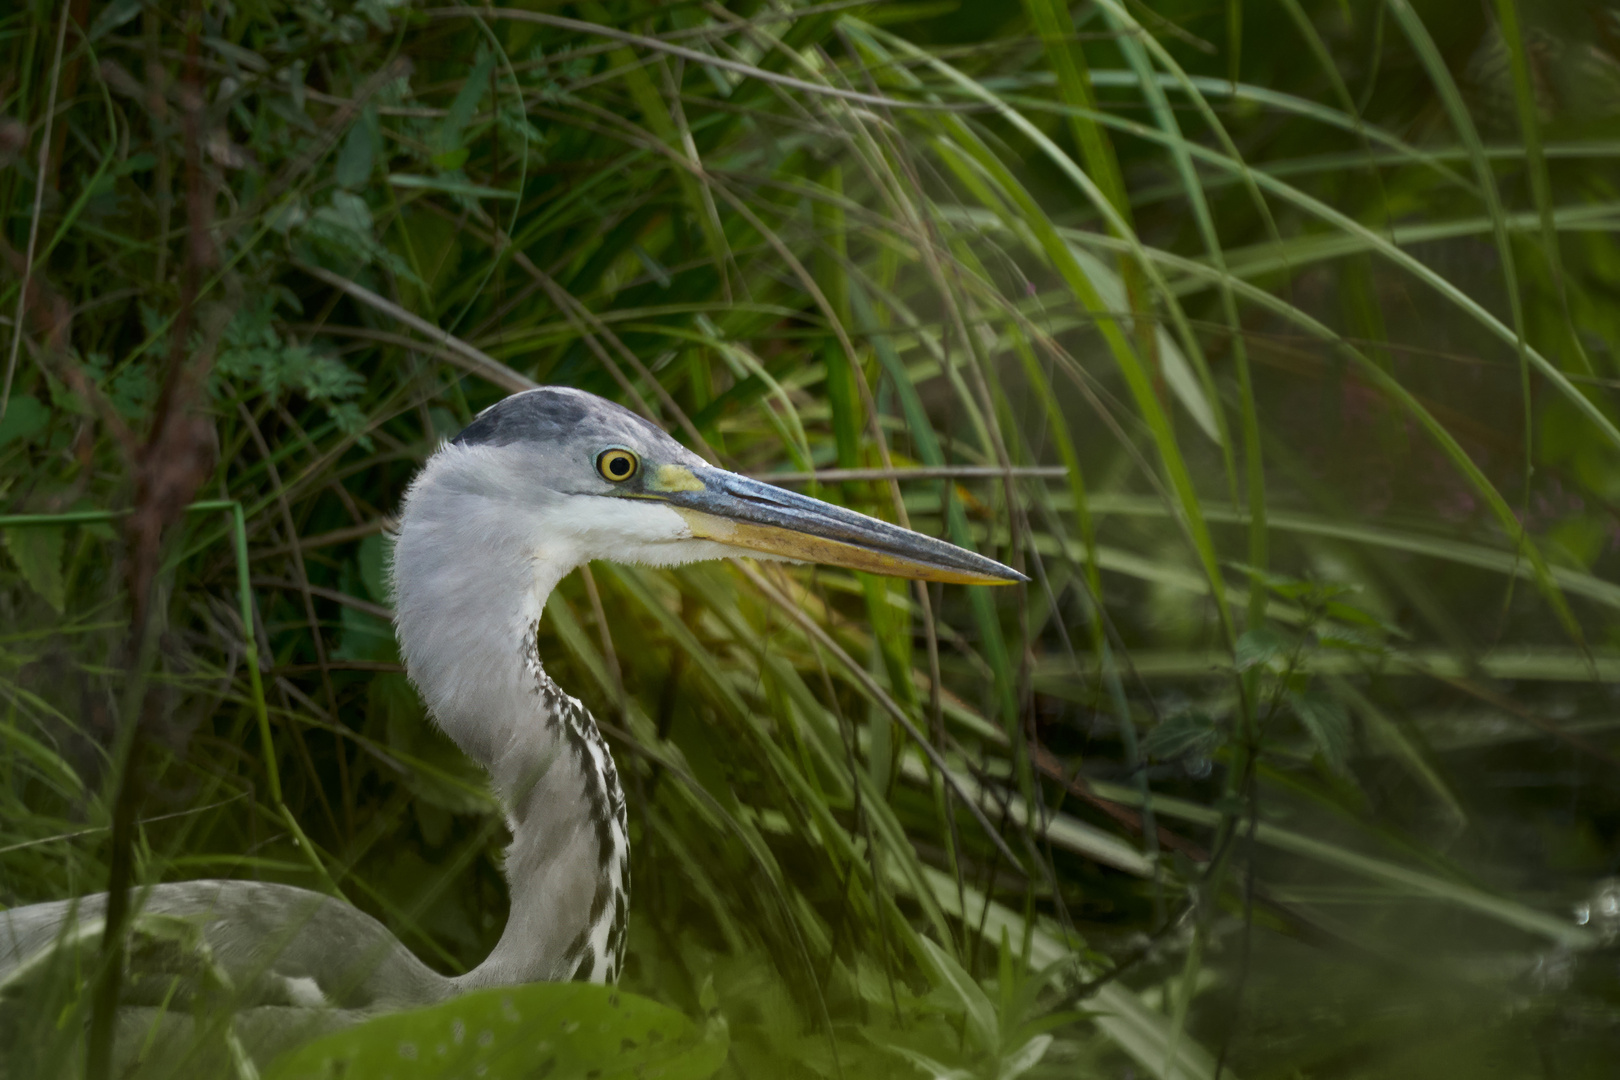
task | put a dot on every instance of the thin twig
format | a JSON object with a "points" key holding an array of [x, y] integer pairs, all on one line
{"points": [[377, 611], [462, 355], [327, 539]]}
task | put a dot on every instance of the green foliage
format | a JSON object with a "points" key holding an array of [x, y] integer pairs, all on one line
{"points": [[254, 356], [24, 419], [37, 553], [547, 1029], [1276, 345]]}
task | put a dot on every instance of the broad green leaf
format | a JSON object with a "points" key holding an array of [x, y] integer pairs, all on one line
{"points": [[25, 417], [1025, 1058], [37, 552], [981, 1014], [934, 1070], [448, 145], [543, 1029], [354, 163], [1184, 735], [1327, 724], [111, 17], [1259, 646]]}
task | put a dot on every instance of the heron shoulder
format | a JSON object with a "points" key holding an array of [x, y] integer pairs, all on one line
{"points": [[272, 944]]}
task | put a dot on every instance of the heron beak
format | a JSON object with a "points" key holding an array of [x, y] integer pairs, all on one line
{"points": [[750, 514]]}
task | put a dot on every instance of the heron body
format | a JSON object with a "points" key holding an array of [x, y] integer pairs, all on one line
{"points": [[535, 486]]}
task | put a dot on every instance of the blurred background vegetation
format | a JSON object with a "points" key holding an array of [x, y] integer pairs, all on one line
{"points": [[1274, 339]]}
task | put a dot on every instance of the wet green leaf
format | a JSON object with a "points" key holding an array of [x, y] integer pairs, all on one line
{"points": [[449, 152], [1025, 1058], [355, 160], [980, 1012], [1259, 646], [25, 417], [1328, 724], [543, 1029], [37, 552], [1183, 735]]}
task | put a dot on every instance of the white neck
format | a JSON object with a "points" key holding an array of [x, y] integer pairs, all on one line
{"points": [[471, 579]]}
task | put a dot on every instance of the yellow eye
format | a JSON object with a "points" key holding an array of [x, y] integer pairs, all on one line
{"points": [[617, 464]]}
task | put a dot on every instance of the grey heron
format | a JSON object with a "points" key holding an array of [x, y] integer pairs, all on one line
{"points": [[538, 484]]}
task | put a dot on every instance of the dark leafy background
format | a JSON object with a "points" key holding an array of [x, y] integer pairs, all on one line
{"points": [[1285, 329]]}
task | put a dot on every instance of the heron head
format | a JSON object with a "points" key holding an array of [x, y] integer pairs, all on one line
{"points": [[600, 482]]}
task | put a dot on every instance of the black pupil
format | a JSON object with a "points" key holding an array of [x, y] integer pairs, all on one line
{"points": [[619, 465]]}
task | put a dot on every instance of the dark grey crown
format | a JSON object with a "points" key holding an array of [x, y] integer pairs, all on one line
{"points": [[552, 414]]}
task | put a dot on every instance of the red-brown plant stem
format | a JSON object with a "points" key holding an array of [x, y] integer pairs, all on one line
{"points": [[168, 469]]}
